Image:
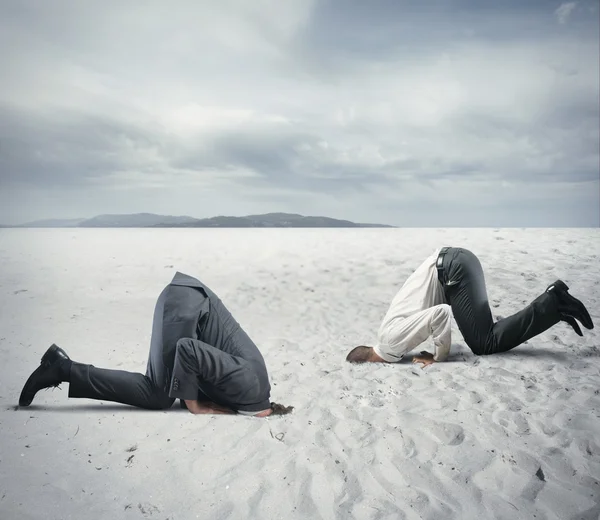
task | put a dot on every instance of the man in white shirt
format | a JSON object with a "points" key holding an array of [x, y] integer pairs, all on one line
{"points": [[451, 282]]}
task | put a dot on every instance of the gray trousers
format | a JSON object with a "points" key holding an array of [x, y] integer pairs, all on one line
{"points": [[462, 277], [135, 389]]}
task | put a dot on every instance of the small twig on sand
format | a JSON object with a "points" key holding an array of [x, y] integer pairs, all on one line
{"points": [[278, 436], [76, 431]]}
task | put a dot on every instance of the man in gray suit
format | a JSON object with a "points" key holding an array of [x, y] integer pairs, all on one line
{"points": [[199, 354]]}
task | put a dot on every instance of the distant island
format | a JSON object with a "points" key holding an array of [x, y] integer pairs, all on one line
{"points": [[151, 220]]}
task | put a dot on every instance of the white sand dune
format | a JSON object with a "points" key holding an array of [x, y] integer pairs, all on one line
{"points": [[511, 436]]}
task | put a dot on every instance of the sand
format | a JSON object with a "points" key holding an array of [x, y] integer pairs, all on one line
{"points": [[508, 436]]}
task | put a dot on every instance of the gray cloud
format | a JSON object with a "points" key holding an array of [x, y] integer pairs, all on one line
{"points": [[371, 111], [65, 147], [564, 11]]}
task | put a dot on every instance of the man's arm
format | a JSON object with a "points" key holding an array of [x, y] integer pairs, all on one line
{"points": [[408, 333], [441, 322], [228, 377], [198, 361]]}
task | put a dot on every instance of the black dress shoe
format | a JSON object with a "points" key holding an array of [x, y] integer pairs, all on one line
{"points": [[570, 308], [47, 375]]}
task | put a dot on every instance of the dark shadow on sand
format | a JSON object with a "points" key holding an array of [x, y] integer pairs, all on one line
{"points": [[591, 352], [83, 408], [457, 355], [537, 352]]}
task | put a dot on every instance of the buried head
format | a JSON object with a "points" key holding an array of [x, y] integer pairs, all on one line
{"points": [[280, 409], [360, 354]]}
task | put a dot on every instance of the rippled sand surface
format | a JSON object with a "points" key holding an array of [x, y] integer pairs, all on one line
{"points": [[508, 436]]}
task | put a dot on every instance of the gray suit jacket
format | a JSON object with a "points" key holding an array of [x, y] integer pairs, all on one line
{"points": [[230, 369]]}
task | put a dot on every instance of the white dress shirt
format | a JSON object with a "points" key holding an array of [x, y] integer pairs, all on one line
{"points": [[418, 311]]}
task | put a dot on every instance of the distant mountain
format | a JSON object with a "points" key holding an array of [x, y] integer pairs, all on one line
{"points": [[135, 220], [271, 220], [150, 220], [53, 223]]}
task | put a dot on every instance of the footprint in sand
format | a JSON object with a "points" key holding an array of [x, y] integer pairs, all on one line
{"points": [[446, 433], [533, 487], [529, 277], [407, 448], [376, 402], [148, 509], [514, 475], [255, 500], [474, 397], [588, 448]]}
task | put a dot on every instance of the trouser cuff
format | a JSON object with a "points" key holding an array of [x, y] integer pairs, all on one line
{"points": [[78, 380]]}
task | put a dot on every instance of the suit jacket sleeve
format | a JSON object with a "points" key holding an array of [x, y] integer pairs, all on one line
{"points": [[222, 377]]}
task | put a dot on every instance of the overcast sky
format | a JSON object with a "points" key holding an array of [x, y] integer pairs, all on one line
{"points": [[410, 113]]}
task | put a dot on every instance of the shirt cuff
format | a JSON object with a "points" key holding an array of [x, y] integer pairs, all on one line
{"points": [[390, 358], [243, 412], [441, 353]]}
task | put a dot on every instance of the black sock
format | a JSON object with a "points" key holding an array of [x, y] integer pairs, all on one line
{"points": [[65, 370]]}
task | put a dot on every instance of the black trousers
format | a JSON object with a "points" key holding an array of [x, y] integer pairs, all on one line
{"points": [[132, 388], [460, 273]]}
